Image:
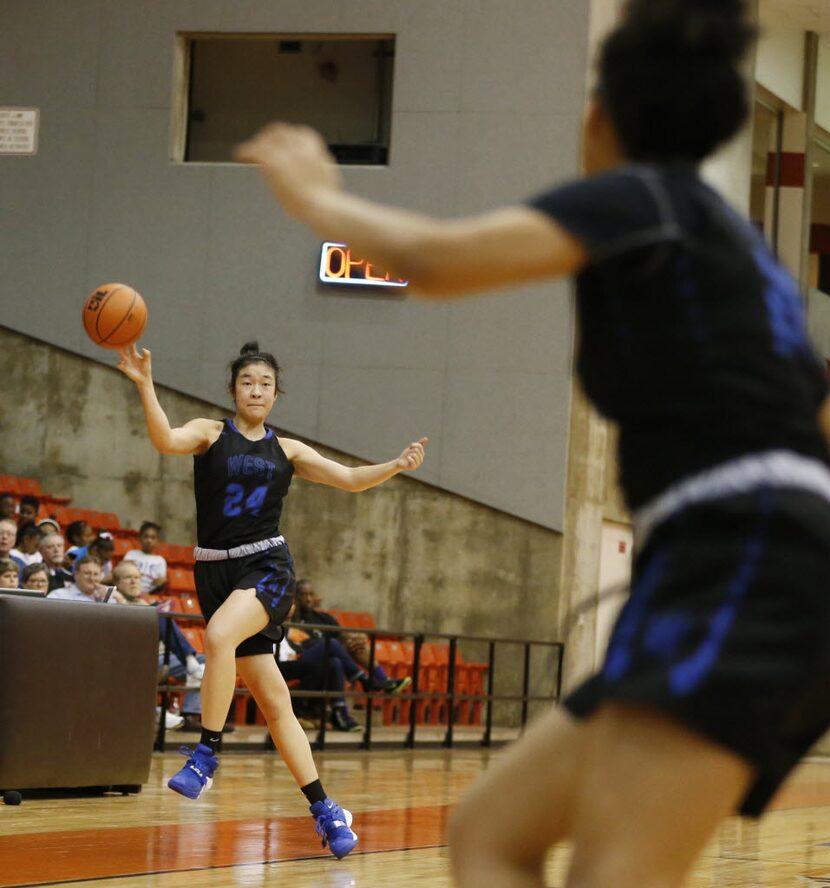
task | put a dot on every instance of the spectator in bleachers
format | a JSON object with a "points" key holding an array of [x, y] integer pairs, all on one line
{"points": [[52, 550], [8, 505], [26, 549], [101, 549], [354, 645], [35, 578], [87, 586], [307, 665], [48, 525], [9, 574], [29, 507], [80, 535], [153, 567], [185, 663], [8, 534]]}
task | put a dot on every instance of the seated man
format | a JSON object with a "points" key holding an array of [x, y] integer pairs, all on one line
{"points": [[355, 643], [153, 567], [184, 663], [9, 574], [87, 586], [8, 534], [35, 578], [51, 548]]}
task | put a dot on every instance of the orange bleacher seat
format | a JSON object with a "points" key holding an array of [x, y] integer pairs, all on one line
{"points": [[21, 486], [120, 548], [190, 604], [180, 581], [176, 555], [195, 635]]}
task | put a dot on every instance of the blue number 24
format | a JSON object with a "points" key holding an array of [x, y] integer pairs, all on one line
{"points": [[234, 495]]}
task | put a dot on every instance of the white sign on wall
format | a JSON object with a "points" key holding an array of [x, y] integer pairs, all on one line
{"points": [[18, 130]]}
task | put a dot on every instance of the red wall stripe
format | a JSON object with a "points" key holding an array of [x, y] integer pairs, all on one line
{"points": [[793, 169]]}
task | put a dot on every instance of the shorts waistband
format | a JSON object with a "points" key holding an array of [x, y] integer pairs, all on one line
{"points": [[772, 468], [202, 554]]}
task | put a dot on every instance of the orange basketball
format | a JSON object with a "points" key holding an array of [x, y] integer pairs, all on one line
{"points": [[114, 315]]}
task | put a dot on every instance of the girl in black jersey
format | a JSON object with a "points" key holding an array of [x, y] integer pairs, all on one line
{"points": [[717, 675], [244, 573]]}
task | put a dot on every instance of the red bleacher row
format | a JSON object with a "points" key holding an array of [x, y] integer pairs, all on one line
{"points": [[396, 657]]}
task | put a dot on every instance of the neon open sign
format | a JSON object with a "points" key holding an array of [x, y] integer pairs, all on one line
{"points": [[338, 265]]}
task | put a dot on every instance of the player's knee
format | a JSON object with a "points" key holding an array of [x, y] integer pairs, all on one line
{"points": [[218, 639]]}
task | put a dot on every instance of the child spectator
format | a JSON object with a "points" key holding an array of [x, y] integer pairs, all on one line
{"points": [[9, 574], [51, 548], [153, 567], [35, 577], [80, 535], [29, 507], [8, 505], [27, 546], [101, 549]]}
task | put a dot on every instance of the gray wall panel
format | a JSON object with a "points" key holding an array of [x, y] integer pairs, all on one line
{"points": [[485, 111], [50, 52], [401, 405]]}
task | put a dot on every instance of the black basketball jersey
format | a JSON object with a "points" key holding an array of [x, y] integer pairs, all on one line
{"points": [[240, 486], [692, 335]]}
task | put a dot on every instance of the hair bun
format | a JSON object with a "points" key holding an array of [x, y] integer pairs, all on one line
{"points": [[694, 27], [250, 348]]}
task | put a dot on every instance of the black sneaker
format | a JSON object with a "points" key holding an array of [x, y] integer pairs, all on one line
{"points": [[342, 721], [396, 686]]}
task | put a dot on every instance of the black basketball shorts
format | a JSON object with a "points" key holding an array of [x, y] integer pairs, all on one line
{"points": [[270, 573], [727, 630]]}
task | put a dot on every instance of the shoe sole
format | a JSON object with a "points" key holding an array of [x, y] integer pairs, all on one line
{"points": [[405, 683], [180, 789]]}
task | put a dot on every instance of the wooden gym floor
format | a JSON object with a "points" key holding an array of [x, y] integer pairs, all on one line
{"points": [[252, 829]]}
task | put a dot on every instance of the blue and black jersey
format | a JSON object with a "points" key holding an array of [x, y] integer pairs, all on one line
{"points": [[692, 335], [240, 485]]}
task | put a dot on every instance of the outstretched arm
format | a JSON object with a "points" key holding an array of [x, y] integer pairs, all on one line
{"points": [[194, 437], [311, 466], [442, 259]]}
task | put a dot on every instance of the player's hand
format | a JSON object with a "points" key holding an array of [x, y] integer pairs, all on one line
{"points": [[135, 366], [295, 162], [413, 456]]}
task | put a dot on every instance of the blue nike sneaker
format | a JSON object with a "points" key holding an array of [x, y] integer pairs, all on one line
{"points": [[197, 774], [334, 827]]}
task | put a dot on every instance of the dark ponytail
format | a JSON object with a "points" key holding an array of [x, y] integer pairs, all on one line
{"points": [[670, 77], [250, 354]]}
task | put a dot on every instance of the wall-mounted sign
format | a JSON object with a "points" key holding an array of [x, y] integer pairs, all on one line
{"points": [[339, 265], [18, 130]]}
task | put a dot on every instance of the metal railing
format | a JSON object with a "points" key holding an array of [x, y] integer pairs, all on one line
{"points": [[449, 695]]}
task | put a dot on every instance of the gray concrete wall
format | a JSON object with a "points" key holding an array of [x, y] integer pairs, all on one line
{"points": [[486, 103], [418, 557]]}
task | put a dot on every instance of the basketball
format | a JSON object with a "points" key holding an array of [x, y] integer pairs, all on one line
{"points": [[114, 315]]}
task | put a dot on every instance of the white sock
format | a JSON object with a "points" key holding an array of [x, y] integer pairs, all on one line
{"points": [[192, 664]]}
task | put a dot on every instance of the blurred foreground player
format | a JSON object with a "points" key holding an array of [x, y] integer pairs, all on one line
{"points": [[716, 678], [244, 572]]}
